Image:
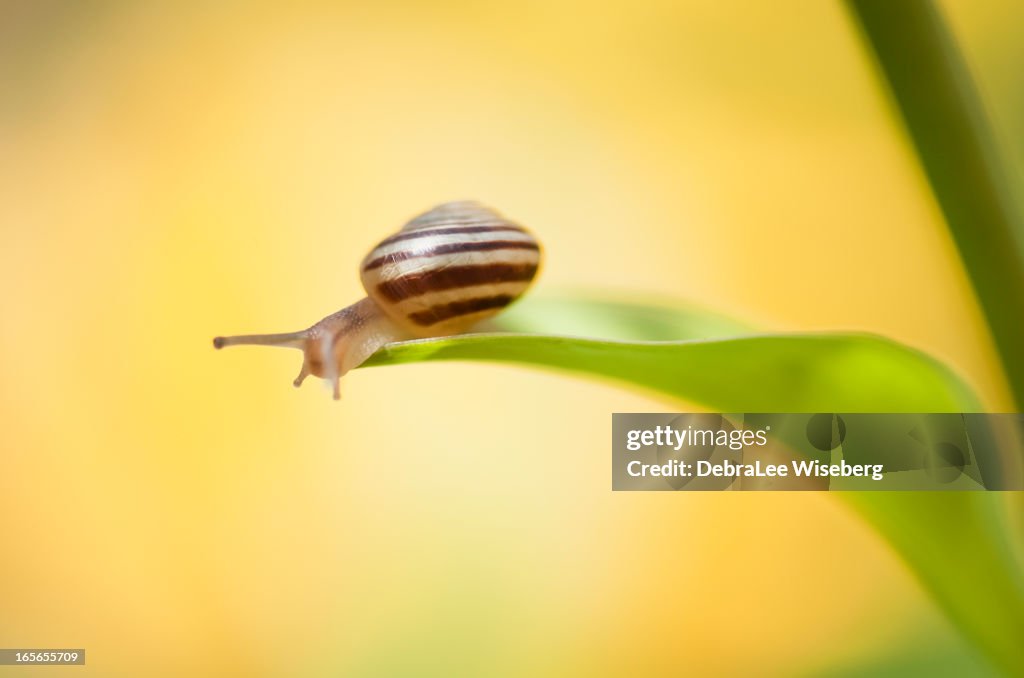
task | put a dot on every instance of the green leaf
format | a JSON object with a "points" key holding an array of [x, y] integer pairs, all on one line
{"points": [[960, 546], [930, 649], [933, 89], [828, 372], [614, 316], [939, 103], [956, 543]]}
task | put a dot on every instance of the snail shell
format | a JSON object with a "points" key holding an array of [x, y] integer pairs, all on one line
{"points": [[445, 271], [450, 268]]}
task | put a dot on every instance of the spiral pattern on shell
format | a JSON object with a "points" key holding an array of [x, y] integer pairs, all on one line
{"points": [[450, 267]]}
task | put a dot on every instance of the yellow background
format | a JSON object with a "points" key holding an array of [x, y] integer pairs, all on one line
{"points": [[172, 173]]}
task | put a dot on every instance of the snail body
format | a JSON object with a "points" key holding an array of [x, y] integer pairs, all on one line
{"points": [[445, 271]]}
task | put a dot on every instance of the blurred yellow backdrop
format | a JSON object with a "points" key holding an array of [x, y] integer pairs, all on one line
{"points": [[168, 173]]}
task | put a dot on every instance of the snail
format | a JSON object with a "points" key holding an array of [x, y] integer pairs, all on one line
{"points": [[443, 272]]}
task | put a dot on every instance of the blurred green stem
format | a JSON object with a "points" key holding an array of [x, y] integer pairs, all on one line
{"points": [[943, 114]]}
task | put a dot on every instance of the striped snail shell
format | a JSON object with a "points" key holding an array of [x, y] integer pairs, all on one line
{"points": [[445, 271], [449, 268]]}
